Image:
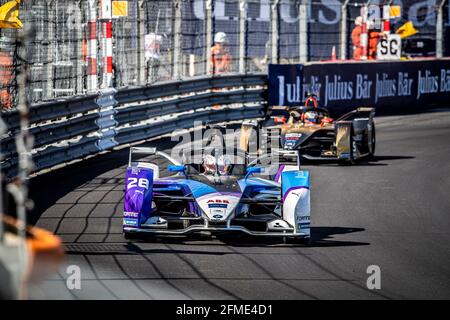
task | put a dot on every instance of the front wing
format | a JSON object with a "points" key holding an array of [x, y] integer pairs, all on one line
{"points": [[215, 229], [271, 224]]}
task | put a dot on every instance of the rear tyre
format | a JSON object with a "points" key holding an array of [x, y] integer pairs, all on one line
{"points": [[353, 149], [306, 241], [373, 144]]}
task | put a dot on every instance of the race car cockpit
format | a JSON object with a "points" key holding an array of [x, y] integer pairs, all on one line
{"points": [[308, 114]]}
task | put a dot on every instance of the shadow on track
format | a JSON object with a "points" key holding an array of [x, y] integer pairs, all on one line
{"points": [[375, 161], [129, 248], [322, 237]]}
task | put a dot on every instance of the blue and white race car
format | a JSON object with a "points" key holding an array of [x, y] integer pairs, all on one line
{"points": [[215, 196]]}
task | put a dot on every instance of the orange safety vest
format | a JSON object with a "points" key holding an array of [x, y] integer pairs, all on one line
{"points": [[356, 40], [5, 99], [84, 50], [374, 37], [6, 65], [220, 59], [6, 74]]}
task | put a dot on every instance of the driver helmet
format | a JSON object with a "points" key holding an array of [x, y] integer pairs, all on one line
{"points": [[222, 165], [311, 117], [209, 164], [221, 37]]}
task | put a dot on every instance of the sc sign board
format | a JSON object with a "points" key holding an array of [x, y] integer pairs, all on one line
{"points": [[389, 48]]}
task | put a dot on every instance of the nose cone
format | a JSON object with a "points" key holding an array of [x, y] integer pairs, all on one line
{"points": [[218, 206]]}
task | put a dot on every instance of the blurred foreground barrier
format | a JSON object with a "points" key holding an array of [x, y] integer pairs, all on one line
{"points": [[75, 128]]}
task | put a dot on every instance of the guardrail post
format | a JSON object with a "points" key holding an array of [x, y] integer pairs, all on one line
{"points": [[303, 32], [274, 18], [107, 46], [106, 122], [343, 36], [439, 30], [48, 91], [80, 89], [177, 39], [142, 79], [208, 34], [242, 33]]}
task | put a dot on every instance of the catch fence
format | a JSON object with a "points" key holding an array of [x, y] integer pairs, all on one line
{"points": [[163, 40]]}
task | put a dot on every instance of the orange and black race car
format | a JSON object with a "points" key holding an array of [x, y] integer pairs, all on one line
{"points": [[309, 131]]}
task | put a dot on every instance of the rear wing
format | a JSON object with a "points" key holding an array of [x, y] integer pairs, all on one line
{"points": [[145, 151], [362, 113]]}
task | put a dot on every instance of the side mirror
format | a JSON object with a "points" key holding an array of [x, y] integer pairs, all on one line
{"points": [[327, 120], [253, 170], [173, 168]]}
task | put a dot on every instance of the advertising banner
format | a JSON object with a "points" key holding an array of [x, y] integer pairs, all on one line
{"points": [[344, 86], [285, 84]]}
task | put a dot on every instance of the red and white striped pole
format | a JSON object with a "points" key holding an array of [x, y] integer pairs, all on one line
{"points": [[92, 80], [364, 40], [387, 19], [107, 45]]}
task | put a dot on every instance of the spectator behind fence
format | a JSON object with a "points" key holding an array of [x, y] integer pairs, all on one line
{"points": [[374, 37], [356, 39], [153, 43], [220, 54], [6, 67]]}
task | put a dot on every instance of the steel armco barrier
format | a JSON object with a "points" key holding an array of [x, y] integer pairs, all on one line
{"points": [[73, 129]]}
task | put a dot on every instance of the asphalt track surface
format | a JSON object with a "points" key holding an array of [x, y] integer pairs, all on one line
{"points": [[393, 212]]}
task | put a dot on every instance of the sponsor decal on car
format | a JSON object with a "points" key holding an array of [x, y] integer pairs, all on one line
{"points": [[131, 215], [217, 205], [293, 136], [218, 201], [217, 214], [130, 222]]}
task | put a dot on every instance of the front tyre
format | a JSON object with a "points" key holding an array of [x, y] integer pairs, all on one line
{"points": [[304, 241], [129, 236]]}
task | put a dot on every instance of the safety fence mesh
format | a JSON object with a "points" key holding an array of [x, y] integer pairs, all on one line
{"points": [[145, 40]]}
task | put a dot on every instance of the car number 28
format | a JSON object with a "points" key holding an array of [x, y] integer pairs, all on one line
{"points": [[135, 182]]}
